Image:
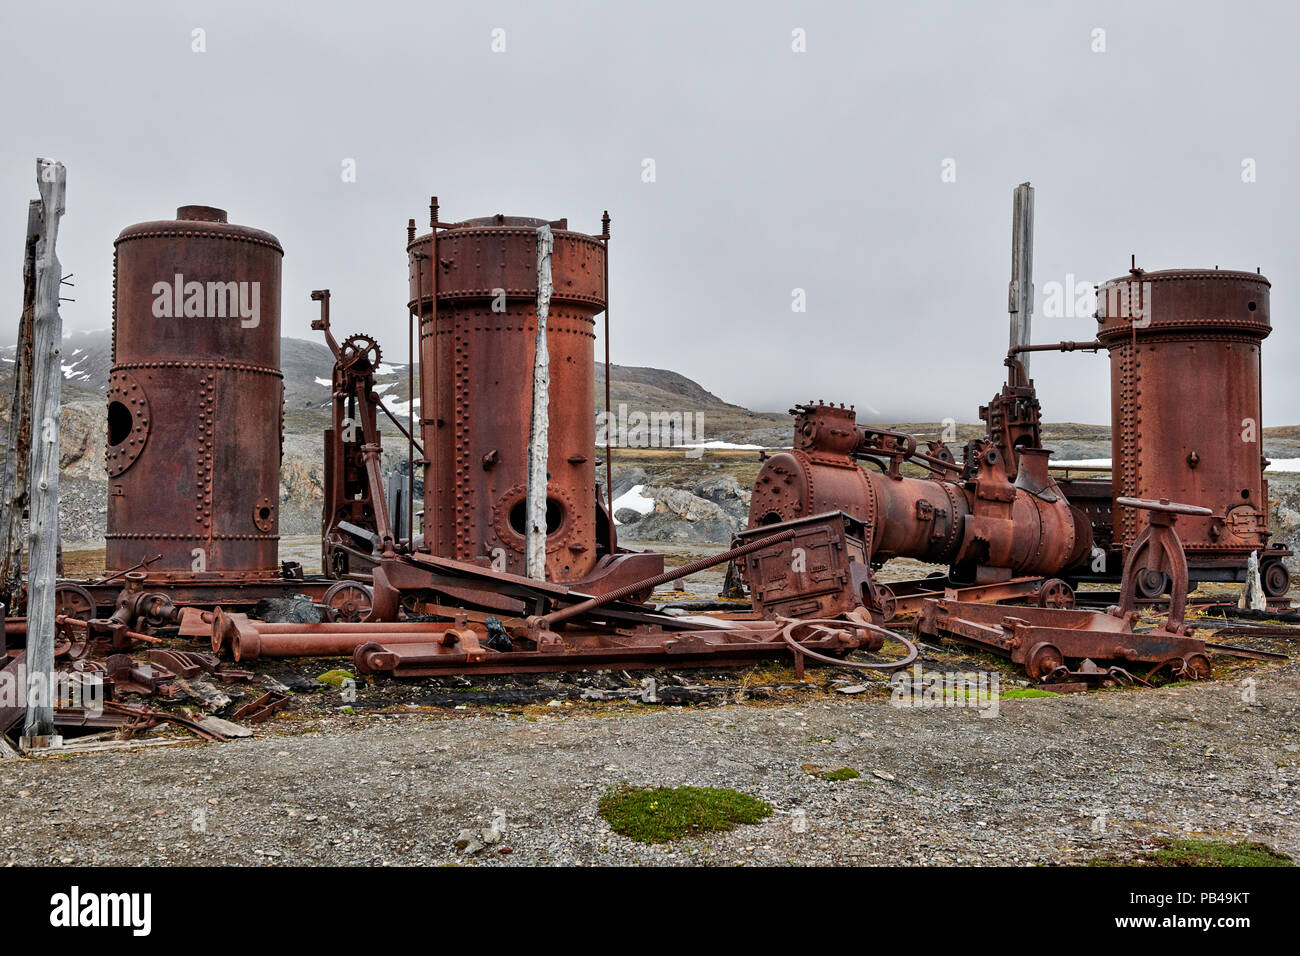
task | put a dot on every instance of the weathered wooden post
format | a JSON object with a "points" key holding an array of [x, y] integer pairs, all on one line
{"points": [[1020, 298], [538, 447], [43, 481], [13, 490]]}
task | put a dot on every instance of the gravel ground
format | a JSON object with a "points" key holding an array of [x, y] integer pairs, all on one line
{"points": [[1049, 780]]}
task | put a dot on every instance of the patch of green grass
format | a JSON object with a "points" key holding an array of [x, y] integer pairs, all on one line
{"points": [[1212, 853], [1021, 693], [661, 814], [1216, 853], [843, 773]]}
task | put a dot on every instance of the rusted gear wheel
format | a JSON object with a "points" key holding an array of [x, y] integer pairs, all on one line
{"points": [[1043, 659], [74, 601], [1055, 593], [1275, 577], [349, 601], [360, 354]]}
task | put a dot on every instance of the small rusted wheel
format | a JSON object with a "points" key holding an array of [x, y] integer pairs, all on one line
{"points": [[74, 601], [1275, 577], [348, 600], [1152, 584], [1195, 667], [1055, 593], [1043, 659]]}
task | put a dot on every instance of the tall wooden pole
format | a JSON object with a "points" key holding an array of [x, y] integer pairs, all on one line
{"points": [[1020, 298], [538, 447], [13, 492], [43, 544]]}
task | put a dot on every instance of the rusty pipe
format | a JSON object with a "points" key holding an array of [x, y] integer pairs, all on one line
{"points": [[251, 644]]}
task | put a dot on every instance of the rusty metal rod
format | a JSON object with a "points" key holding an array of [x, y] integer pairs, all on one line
{"points": [[618, 594], [609, 460], [1092, 346], [384, 408]]}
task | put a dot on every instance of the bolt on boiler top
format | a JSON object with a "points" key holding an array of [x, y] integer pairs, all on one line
{"points": [[195, 399], [476, 373], [1184, 350]]}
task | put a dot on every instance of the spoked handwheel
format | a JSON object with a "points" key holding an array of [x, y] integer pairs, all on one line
{"points": [[74, 601], [349, 601], [1055, 593]]}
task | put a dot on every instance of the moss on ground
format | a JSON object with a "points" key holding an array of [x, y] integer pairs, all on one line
{"points": [[842, 773], [1020, 693], [662, 814], [1212, 853]]}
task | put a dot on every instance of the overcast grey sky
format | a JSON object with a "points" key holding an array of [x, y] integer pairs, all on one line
{"points": [[774, 169]]}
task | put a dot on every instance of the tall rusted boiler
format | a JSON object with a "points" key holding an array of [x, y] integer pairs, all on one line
{"points": [[1184, 350], [195, 401], [477, 349]]}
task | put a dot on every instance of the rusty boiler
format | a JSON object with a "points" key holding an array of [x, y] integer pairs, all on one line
{"points": [[195, 400], [983, 519], [476, 298], [1184, 349]]}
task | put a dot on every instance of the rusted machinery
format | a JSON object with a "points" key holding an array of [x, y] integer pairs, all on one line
{"points": [[992, 519], [1186, 420], [476, 299], [195, 426], [195, 400], [1088, 647]]}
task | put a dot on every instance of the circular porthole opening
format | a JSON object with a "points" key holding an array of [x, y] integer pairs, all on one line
{"points": [[120, 423], [554, 517]]}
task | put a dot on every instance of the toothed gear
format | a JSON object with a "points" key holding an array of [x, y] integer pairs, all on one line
{"points": [[360, 354]]}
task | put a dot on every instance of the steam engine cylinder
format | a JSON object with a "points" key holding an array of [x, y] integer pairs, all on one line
{"points": [[195, 399], [477, 349], [983, 524]]}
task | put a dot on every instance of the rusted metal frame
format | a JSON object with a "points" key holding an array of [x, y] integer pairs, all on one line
{"points": [[575, 610], [1043, 640], [1158, 548], [261, 709], [423, 571], [910, 595]]}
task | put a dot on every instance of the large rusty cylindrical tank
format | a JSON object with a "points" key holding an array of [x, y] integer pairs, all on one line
{"points": [[477, 349], [195, 399], [982, 523], [1184, 350]]}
